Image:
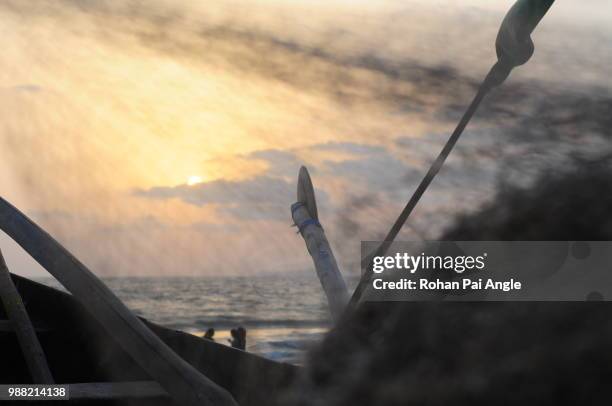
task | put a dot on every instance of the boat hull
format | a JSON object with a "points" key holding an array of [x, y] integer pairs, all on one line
{"points": [[80, 350]]}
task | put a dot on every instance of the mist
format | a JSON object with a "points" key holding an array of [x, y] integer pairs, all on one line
{"points": [[110, 107]]}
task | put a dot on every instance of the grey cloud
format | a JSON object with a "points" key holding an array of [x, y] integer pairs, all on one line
{"points": [[282, 164], [268, 196], [325, 65], [259, 198], [366, 165], [373, 165], [221, 191], [350, 147]]}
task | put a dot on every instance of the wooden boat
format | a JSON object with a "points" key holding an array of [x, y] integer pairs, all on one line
{"points": [[90, 340], [82, 353]]}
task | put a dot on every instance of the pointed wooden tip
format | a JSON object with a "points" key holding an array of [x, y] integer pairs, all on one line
{"points": [[306, 194]]}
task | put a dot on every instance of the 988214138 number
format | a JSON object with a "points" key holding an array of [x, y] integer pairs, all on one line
{"points": [[33, 392]]}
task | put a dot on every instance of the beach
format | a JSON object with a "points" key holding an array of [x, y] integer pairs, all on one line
{"points": [[284, 314]]}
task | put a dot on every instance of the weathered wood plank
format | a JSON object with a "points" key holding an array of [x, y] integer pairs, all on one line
{"points": [[6, 326], [322, 255], [20, 321], [182, 381], [116, 390], [252, 380]]}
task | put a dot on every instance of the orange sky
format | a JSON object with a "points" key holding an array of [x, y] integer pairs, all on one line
{"points": [[110, 108]]}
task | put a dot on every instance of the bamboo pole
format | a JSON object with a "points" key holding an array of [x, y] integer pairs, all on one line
{"points": [[22, 325], [183, 382], [305, 214], [514, 47]]}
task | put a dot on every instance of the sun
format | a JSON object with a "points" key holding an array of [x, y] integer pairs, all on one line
{"points": [[194, 180]]}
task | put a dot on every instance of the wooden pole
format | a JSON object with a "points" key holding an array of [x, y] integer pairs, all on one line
{"points": [[514, 47], [305, 214], [22, 325], [182, 381]]}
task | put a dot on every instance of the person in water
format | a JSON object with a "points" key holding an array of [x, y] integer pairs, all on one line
{"points": [[238, 339]]}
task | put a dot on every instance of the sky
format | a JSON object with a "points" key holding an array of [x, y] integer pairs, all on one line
{"points": [[164, 138]]}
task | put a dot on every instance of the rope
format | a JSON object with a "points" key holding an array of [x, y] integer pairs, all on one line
{"points": [[308, 222], [296, 206]]}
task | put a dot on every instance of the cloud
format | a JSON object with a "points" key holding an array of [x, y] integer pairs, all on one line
{"points": [[365, 107], [268, 195], [281, 163], [259, 198], [371, 165]]}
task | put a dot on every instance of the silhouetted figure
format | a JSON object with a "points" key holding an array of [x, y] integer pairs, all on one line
{"points": [[238, 339], [210, 333]]}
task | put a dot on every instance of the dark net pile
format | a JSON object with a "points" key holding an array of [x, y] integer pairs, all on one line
{"points": [[481, 353]]}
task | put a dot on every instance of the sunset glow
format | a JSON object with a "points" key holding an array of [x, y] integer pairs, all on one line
{"points": [[194, 180], [131, 136]]}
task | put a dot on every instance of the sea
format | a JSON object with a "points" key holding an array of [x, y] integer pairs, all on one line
{"points": [[284, 314]]}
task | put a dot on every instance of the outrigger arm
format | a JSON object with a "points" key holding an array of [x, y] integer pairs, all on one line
{"points": [[305, 216], [514, 47], [185, 384]]}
